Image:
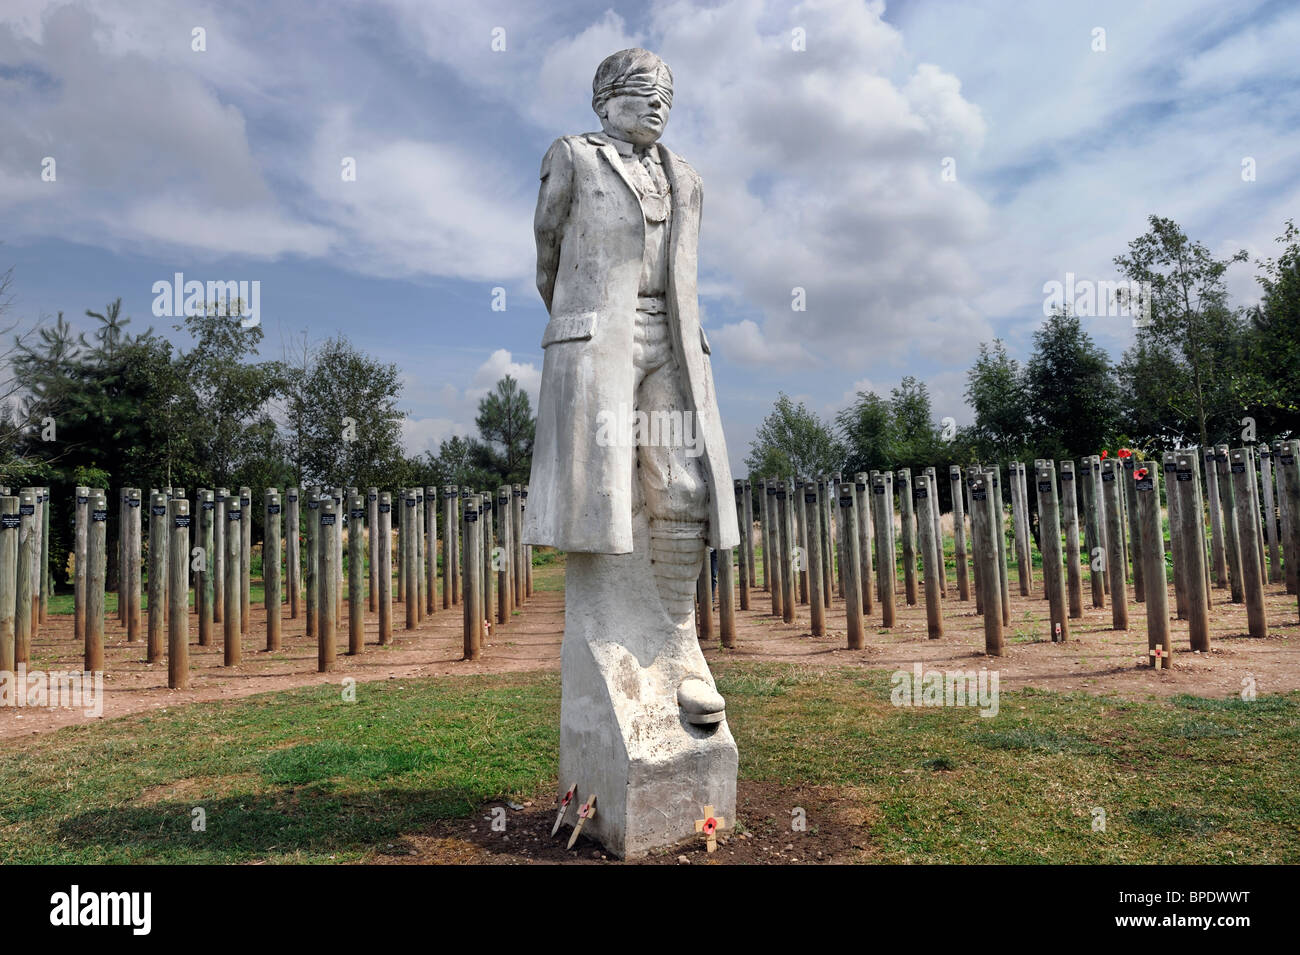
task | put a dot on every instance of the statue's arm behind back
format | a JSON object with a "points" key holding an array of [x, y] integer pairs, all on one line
{"points": [[553, 200]]}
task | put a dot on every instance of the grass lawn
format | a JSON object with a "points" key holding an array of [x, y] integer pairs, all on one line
{"points": [[304, 776]]}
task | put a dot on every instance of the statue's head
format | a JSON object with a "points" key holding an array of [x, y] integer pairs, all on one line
{"points": [[632, 93]]}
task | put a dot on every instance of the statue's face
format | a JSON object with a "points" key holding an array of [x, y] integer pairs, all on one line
{"points": [[636, 117]]}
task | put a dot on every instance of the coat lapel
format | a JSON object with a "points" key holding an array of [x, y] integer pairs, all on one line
{"points": [[615, 161]]}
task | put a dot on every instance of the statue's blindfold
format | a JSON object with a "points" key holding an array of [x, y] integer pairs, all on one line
{"points": [[640, 84]]}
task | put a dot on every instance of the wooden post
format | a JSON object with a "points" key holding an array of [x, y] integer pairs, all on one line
{"points": [[1134, 536], [1096, 536], [1099, 533], [356, 574], [1288, 475], [232, 616], [130, 564], [96, 573], [336, 535], [1049, 541], [406, 556], [994, 483], [430, 546], [984, 534], [10, 528], [327, 593], [1186, 488], [1024, 568], [1069, 487], [43, 558], [927, 502], [772, 546], [748, 513], [1242, 469], [292, 555], [814, 555], [798, 521], [798, 540], [908, 517], [421, 559], [787, 570], [1290, 560], [158, 535], [313, 561], [704, 600], [487, 518], [203, 592], [746, 531], [959, 532], [825, 488], [1112, 479], [937, 511], [372, 546], [271, 576], [505, 585], [385, 572], [1024, 507], [825, 513], [862, 521], [81, 537], [1254, 510], [122, 542], [1146, 481], [1270, 514], [969, 477], [727, 597], [886, 574], [761, 492], [1177, 543], [1231, 531], [246, 559], [178, 594], [1218, 549], [473, 615], [219, 522], [851, 560], [449, 520]]}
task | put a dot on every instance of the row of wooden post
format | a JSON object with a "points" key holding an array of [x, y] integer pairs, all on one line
{"points": [[1111, 505], [215, 544]]}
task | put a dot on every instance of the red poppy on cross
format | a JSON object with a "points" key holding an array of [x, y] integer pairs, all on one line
{"points": [[1139, 474], [1125, 453]]}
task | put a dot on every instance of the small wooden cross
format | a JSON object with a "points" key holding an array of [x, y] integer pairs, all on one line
{"points": [[586, 811], [1159, 652], [710, 825], [564, 807]]}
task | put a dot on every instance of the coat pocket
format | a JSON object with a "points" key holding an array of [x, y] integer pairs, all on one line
{"points": [[574, 326]]}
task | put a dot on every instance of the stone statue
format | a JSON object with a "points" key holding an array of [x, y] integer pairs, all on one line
{"points": [[630, 474]]}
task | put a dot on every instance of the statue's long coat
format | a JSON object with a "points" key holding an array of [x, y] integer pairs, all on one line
{"points": [[590, 241]]}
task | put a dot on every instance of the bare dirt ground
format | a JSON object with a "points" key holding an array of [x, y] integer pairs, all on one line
{"points": [[1095, 659]]}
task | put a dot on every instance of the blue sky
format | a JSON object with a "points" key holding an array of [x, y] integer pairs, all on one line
{"points": [[821, 168]]}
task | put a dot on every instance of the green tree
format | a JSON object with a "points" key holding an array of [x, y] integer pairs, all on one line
{"points": [[344, 421], [1270, 388], [995, 390], [793, 441], [506, 429], [1188, 299], [1071, 390]]}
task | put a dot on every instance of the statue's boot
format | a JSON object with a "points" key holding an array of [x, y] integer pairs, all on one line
{"points": [[677, 550]]}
